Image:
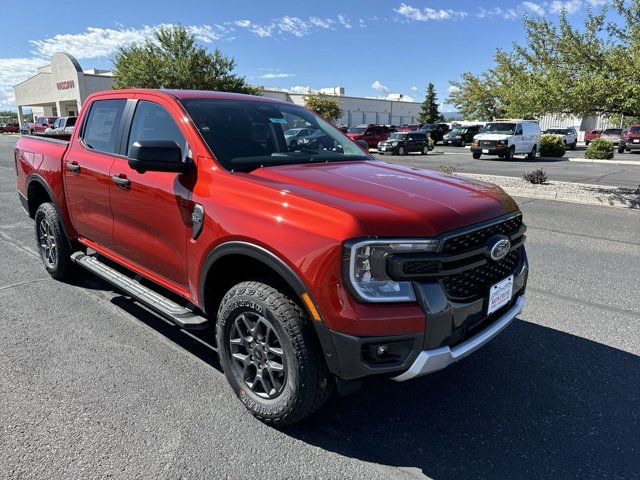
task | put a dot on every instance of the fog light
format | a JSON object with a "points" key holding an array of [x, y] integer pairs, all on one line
{"points": [[382, 350]]}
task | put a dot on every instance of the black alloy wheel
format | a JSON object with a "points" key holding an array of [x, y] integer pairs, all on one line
{"points": [[257, 355]]}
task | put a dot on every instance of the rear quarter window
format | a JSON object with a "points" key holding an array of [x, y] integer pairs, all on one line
{"points": [[101, 127]]}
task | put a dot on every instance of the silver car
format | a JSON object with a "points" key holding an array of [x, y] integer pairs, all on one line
{"points": [[62, 126]]}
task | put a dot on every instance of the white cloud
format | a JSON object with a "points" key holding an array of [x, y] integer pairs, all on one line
{"points": [[12, 72], [533, 8], [507, 14], [344, 21], [321, 22], [426, 14], [597, 3], [415, 89], [407, 98], [103, 42], [379, 87], [276, 75], [452, 88], [570, 6], [262, 31]]}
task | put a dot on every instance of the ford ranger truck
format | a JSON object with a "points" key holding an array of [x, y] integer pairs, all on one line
{"points": [[314, 266]]}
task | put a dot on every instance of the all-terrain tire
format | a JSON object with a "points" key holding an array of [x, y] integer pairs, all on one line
{"points": [[308, 382], [53, 245]]}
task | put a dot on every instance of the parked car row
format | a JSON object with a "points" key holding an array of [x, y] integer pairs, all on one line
{"points": [[62, 126], [629, 140], [461, 136]]}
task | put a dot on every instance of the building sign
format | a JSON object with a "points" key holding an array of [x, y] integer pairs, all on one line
{"points": [[66, 85]]}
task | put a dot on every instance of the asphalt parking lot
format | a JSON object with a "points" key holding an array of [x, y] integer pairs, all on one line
{"points": [[93, 385], [570, 168]]}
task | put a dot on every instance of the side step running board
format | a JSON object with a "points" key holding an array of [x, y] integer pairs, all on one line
{"points": [[181, 316]]}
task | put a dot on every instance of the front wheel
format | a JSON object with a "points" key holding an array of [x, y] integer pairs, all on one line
{"points": [[401, 151], [574, 145], [476, 155], [269, 357], [425, 149], [510, 153], [620, 149], [532, 153], [53, 244]]}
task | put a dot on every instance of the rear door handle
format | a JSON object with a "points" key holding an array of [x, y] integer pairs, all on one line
{"points": [[74, 167], [121, 182]]}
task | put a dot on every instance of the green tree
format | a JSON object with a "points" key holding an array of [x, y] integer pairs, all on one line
{"points": [[173, 59], [430, 112], [324, 105], [589, 69]]}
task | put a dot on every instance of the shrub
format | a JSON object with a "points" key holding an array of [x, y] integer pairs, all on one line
{"points": [[551, 146], [448, 169], [537, 177], [431, 144], [600, 148]]}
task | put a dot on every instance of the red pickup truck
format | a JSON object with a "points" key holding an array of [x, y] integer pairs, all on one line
{"points": [[314, 266], [40, 125]]}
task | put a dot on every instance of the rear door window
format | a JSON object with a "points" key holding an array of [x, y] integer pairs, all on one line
{"points": [[153, 122], [101, 126]]}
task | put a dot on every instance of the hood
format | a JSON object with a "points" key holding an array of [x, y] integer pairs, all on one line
{"points": [[355, 136], [393, 200], [491, 136]]}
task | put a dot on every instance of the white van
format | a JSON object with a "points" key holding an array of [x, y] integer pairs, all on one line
{"points": [[506, 138]]}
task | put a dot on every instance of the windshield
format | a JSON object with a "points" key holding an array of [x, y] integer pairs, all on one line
{"points": [[398, 136], [634, 130], [612, 131], [247, 134], [557, 131], [502, 128], [458, 131], [358, 130]]}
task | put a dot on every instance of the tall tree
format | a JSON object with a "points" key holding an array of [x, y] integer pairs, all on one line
{"points": [[430, 112], [561, 68], [173, 59], [324, 105]]}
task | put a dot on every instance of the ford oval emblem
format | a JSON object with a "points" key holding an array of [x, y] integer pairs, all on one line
{"points": [[499, 248]]}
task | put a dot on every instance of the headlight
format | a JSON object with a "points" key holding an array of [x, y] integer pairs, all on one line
{"points": [[394, 144], [502, 142], [367, 268]]}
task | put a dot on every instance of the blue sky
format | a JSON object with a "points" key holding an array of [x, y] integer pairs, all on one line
{"points": [[372, 48]]}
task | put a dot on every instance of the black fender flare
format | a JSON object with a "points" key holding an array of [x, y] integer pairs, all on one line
{"points": [[288, 275], [36, 178]]}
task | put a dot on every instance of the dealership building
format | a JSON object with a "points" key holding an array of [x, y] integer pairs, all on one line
{"points": [[58, 89]]}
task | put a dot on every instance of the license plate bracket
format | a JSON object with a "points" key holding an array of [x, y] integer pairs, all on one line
{"points": [[500, 294]]}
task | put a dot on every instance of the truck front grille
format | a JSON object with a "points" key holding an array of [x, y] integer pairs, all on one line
{"points": [[487, 143], [463, 265], [474, 283]]}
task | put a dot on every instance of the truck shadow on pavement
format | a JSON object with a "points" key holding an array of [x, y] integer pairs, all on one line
{"points": [[534, 403]]}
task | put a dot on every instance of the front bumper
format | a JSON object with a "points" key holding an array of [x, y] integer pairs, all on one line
{"points": [[491, 150], [453, 330], [632, 146], [429, 361]]}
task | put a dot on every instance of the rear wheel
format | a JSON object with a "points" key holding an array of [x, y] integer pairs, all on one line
{"points": [[476, 155], [586, 142], [425, 149], [620, 149], [574, 145], [269, 357], [463, 143], [53, 244], [401, 151]]}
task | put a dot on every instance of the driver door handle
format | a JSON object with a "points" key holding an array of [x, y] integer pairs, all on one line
{"points": [[121, 182], [74, 167]]}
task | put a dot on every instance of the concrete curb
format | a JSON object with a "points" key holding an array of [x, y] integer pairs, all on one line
{"points": [[602, 201]]}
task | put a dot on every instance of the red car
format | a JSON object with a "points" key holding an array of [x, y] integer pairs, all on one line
{"points": [[313, 269], [41, 124], [410, 128], [592, 135], [9, 127], [630, 140], [372, 134]]}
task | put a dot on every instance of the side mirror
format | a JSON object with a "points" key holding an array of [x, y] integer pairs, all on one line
{"points": [[157, 156]]}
